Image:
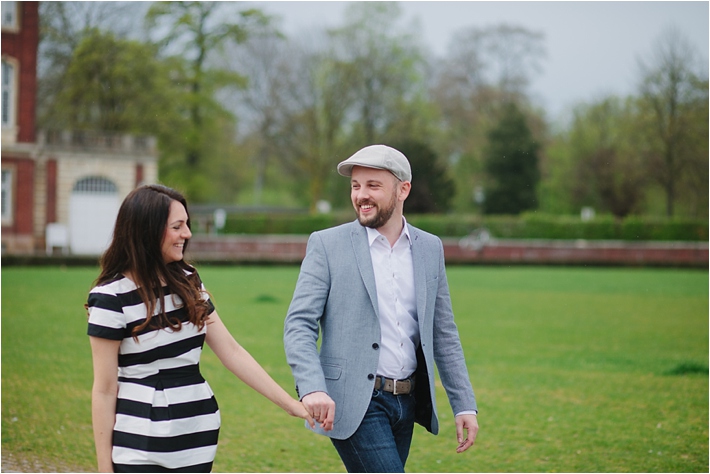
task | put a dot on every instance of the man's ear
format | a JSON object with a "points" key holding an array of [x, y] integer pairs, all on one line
{"points": [[404, 188]]}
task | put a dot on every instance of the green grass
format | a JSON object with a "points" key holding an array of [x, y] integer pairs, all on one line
{"points": [[575, 370]]}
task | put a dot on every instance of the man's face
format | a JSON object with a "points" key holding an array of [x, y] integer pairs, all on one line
{"points": [[374, 194]]}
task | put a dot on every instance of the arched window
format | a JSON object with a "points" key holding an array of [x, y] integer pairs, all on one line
{"points": [[95, 185]]}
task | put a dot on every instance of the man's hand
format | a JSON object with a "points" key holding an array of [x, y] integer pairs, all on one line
{"points": [[470, 424], [322, 409]]}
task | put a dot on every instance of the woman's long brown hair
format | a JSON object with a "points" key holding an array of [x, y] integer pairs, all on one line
{"points": [[136, 248]]}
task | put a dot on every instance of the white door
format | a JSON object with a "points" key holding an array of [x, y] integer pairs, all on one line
{"points": [[93, 208]]}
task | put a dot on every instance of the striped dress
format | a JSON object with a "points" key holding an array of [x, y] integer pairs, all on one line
{"points": [[167, 417]]}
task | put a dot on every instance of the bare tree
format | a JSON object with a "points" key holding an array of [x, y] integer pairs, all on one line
{"points": [[503, 56], [485, 69], [265, 60], [312, 137], [674, 96], [385, 63]]}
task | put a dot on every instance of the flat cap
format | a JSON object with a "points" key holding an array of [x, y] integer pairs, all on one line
{"points": [[380, 157]]}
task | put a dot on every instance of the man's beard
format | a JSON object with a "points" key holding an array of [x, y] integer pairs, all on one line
{"points": [[381, 217]]}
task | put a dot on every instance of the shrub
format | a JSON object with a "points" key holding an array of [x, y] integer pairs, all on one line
{"points": [[525, 226]]}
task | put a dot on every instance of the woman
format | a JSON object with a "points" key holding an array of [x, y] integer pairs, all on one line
{"points": [[149, 316]]}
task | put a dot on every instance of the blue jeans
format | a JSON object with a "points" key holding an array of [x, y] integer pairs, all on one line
{"points": [[381, 442]]}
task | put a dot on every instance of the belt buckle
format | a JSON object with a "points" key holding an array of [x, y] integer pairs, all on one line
{"points": [[394, 387]]}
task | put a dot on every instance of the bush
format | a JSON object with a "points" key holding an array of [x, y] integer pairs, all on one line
{"points": [[281, 223], [526, 226]]}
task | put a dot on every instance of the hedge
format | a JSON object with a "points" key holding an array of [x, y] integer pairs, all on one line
{"points": [[527, 226]]}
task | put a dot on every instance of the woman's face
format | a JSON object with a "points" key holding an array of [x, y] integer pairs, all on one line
{"points": [[176, 233]]}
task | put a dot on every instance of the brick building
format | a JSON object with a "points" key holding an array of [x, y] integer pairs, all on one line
{"points": [[59, 188]]}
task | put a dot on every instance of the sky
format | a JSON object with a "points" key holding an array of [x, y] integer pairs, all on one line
{"points": [[592, 47]]}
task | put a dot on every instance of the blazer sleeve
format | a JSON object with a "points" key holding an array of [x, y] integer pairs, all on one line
{"points": [[303, 318], [448, 352]]}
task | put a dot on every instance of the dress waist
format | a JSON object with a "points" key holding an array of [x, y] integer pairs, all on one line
{"points": [[169, 378]]}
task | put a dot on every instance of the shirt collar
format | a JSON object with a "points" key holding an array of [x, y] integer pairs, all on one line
{"points": [[372, 234]]}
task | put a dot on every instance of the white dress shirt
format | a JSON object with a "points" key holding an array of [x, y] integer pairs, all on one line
{"points": [[397, 303]]}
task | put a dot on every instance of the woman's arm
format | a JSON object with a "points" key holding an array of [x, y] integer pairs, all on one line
{"points": [[103, 398], [247, 369]]}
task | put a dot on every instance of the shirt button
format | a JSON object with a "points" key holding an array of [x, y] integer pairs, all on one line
{"points": [[375, 346]]}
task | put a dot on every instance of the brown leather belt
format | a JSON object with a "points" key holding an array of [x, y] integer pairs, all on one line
{"points": [[396, 387]]}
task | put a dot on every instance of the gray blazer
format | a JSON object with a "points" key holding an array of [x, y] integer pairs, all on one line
{"points": [[336, 293]]}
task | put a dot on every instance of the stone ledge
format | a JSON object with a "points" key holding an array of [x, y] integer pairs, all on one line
{"points": [[290, 249]]}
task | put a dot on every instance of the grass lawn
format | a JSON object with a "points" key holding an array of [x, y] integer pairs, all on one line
{"points": [[575, 370]]}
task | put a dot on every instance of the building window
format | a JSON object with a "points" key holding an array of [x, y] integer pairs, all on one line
{"points": [[95, 185], [9, 15], [6, 196], [8, 94]]}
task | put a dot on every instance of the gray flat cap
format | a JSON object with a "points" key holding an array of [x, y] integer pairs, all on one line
{"points": [[380, 157]]}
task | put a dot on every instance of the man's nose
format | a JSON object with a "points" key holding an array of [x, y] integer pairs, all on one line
{"points": [[361, 193]]}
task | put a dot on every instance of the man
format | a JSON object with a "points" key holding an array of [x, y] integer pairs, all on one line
{"points": [[376, 289]]}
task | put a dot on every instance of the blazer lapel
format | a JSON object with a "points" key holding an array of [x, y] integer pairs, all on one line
{"points": [[358, 235], [419, 273]]}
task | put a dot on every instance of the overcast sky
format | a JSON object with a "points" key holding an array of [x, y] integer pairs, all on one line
{"points": [[592, 47]]}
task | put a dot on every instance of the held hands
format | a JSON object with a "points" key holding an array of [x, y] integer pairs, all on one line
{"points": [[470, 424], [297, 409], [321, 407]]}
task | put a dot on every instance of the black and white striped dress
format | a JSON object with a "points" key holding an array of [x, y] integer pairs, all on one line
{"points": [[167, 417]]}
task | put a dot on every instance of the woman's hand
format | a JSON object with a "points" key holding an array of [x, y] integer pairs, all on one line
{"points": [[298, 410]]}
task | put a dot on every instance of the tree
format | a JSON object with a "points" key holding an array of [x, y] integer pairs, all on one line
{"points": [[311, 138], [484, 69], [501, 56], [112, 83], [63, 26], [674, 99], [386, 66], [511, 164], [609, 172], [265, 60], [118, 85], [432, 188], [196, 30]]}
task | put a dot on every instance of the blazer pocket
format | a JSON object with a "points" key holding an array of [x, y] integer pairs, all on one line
{"points": [[331, 372], [335, 382]]}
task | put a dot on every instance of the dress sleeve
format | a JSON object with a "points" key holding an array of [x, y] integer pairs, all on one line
{"points": [[106, 318], [205, 295]]}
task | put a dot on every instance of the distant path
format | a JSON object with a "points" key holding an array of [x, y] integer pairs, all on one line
{"points": [[13, 463]]}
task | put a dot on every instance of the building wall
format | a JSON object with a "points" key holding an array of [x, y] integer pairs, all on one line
{"points": [[70, 168], [51, 203], [44, 172], [22, 46], [18, 153], [17, 236]]}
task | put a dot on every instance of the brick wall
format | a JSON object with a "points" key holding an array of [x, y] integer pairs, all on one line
{"points": [[22, 45], [24, 195], [51, 206], [17, 236], [292, 249]]}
